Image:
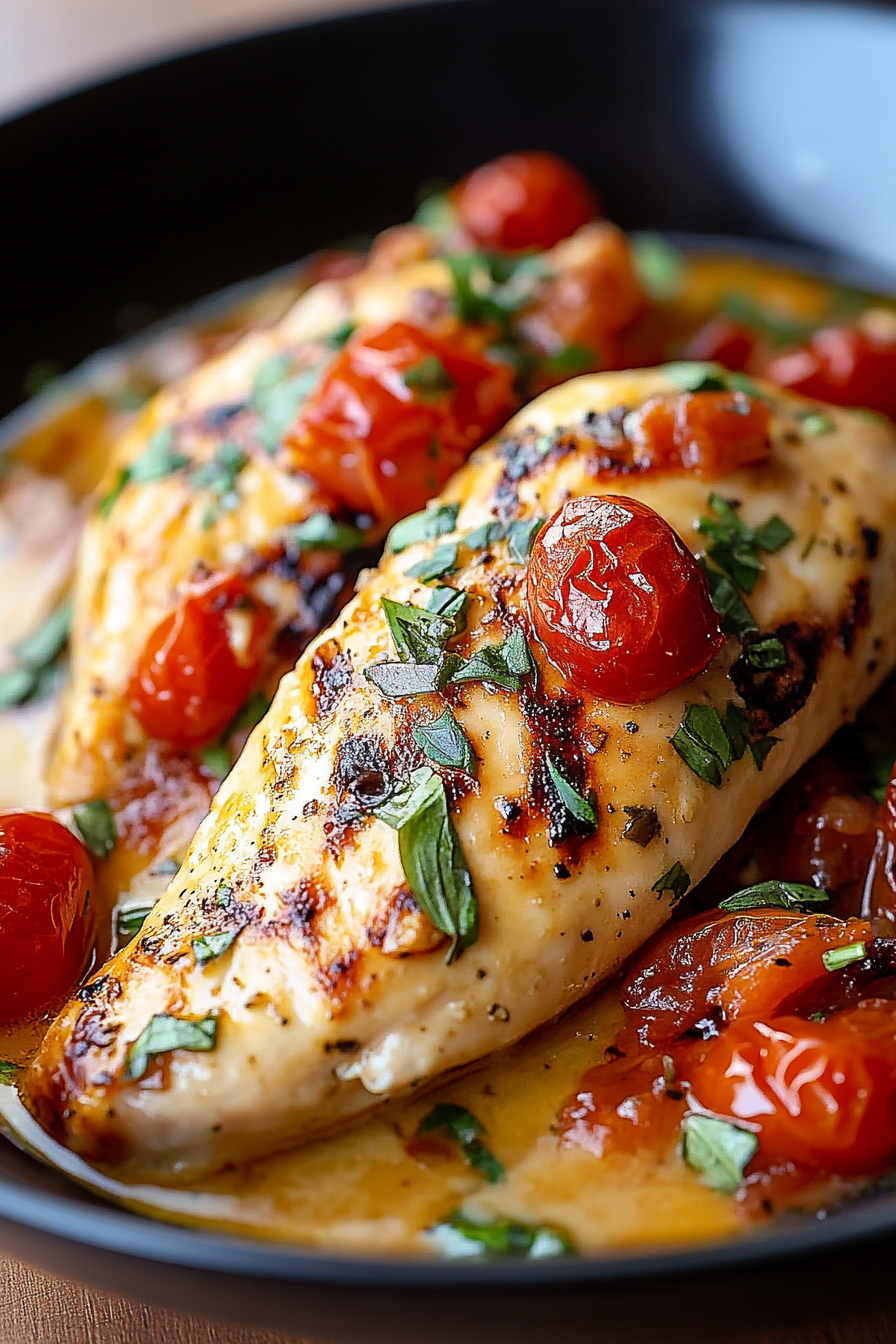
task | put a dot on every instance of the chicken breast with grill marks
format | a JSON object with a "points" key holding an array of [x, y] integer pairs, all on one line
{"points": [[290, 948]]}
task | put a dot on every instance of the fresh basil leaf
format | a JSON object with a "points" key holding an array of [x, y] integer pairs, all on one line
{"points": [[675, 880], [8, 1071], [702, 743], [129, 921], [48, 641], [320, 532], [575, 804], [429, 379], [475, 295], [431, 523], [815, 423], [459, 1238], [268, 376], [449, 603], [339, 338], [766, 654], [17, 686], [775, 895], [420, 636], [399, 680], [642, 827], [484, 535], [661, 267], [467, 1132], [737, 729], [718, 1150], [520, 538], [168, 867], [760, 750], [95, 824], [158, 458], [277, 395], [517, 655], [736, 617], [445, 742], [572, 359], [106, 504], [774, 534], [432, 859], [735, 546], [503, 664], [739, 562], [220, 474], [696, 375], [208, 946], [442, 561], [216, 759], [837, 957], [164, 1033]]}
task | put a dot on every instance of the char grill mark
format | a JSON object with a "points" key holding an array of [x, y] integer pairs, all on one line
{"points": [[773, 697], [555, 729], [857, 614], [333, 674]]}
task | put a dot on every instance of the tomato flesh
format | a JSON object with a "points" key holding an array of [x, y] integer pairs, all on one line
{"points": [[524, 200], [618, 601], [723, 341], [847, 366], [397, 412], [822, 1093], [709, 433], [199, 664], [46, 924]]}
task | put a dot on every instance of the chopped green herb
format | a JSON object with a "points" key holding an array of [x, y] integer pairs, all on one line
{"points": [[168, 867], [773, 534], [776, 895], [760, 750], [211, 945], [445, 742], [252, 712], [484, 535], [489, 288], [420, 636], [570, 360], [520, 538], [435, 213], [675, 880], [575, 804], [216, 759], [697, 376], [702, 743], [398, 680], [220, 474], [718, 1150], [809, 547], [467, 1132], [224, 894], [163, 1033], [460, 1238], [277, 394], [735, 546], [158, 458], [16, 686], [95, 824], [428, 525], [442, 561], [8, 1072], [129, 921], [837, 957], [737, 729], [432, 859], [642, 827], [737, 619], [766, 654], [503, 664], [338, 338], [449, 603], [320, 532], [661, 267], [429, 379], [48, 641], [517, 655], [774, 327]]}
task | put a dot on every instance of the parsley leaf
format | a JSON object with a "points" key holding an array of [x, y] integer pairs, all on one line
{"points": [[445, 742], [158, 458], [735, 546], [397, 680], [277, 394], [216, 759], [208, 946], [737, 619], [766, 654], [163, 1033], [775, 895], [429, 379], [428, 525], [702, 743], [572, 359], [106, 504], [129, 920], [459, 1237], [675, 880], [466, 1131], [815, 423], [697, 376], [419, 635], [8, 1072], [578, 807], [660, 266], [521, 537], [95, 824], [503, 664], [442, 561], [450, 603], [718, 1150], [39, 671], [432, 859], [320, 532]]}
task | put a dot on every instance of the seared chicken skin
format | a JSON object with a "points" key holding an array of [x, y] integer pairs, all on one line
{"points": [[289, 958]]}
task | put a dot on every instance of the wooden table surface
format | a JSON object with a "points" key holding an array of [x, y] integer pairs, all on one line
{"points": [[37, 1309]]}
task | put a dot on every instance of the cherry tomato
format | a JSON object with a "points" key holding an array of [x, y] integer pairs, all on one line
{"points": [[200, 662], [724, 342], [880, 885], [822, 1093], [395, 415], [709, 433], [618, 601], [623, 1106], [46, 925], [524, 200], [848, 366], [721, 966]]}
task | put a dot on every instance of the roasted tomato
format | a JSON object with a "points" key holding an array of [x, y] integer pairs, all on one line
{"points": [[723, 341], [715, 967], [880, 886], [709, 433], [618, 601], [524, 200], [200, 662], [46, 925], [821, 1093], [623, 1106], [395, 415], [849, 366]]}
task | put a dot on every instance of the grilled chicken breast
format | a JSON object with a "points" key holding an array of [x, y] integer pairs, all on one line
{"points": [[289, 955]]}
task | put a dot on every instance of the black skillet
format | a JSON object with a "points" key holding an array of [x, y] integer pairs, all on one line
{"points": [[774, 121]]}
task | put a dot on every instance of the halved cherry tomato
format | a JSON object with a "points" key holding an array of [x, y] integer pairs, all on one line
{"points": [[395, 415], [524, 200], [200, 662], [709, 433], [46, 924], [822, 1093], [849, 366], [618, 601], [623, 1106], [723, 341], [718, 967]]}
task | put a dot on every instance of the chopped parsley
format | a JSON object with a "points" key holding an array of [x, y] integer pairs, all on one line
{"points": [[459, 1237], [129, 920], [107, 503], [708, 743], [216, 759], [674, 880], [697, 376], [815, 423], [220, 477], [520, 538], [38, 656], [442, 561], [208, 946], [398, 680], [572, 359], [718, 1150], [428, 525], [8, 1072], [735, 547], [726, 601], [95, 824], [577, 806], [158, 459], [164, 1033], [467, 1132], [502, 664], [642, 826], [766, 654], [320, 532], [419, 635], [445, 742], [429, 379], [776, 895], [277, 393], [837, 957], [491, 288], [660, 266]]}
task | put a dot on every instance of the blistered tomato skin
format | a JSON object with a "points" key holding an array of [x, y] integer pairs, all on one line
{"points": [[46, 924], [847, 366], [521, 201], [820, 1093], [617, 600], [397, 412], [708, 433], [200, 663]]}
